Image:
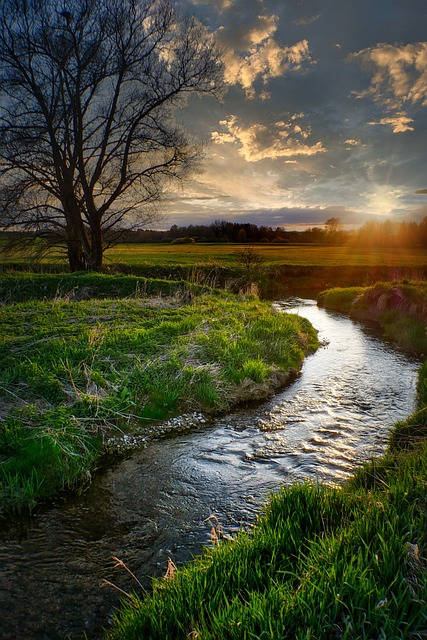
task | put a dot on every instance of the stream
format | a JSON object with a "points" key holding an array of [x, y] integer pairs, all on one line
{"points": [[156, 503]]}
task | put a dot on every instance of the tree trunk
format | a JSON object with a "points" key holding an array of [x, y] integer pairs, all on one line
{"points": [[76, 256], [83, 256], [94, 260], [85, 252]]}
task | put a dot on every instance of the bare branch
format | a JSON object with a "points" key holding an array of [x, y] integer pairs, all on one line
{"points": [[87, 96]]}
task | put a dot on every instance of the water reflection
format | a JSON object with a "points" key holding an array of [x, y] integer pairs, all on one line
{"points": [[155, 504]]}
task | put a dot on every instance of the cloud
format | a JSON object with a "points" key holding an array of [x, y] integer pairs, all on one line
{"points": [[399, 80], [222, 5], [263, 57], [399, 123], [267, 25], [258, 141], [285, 56], [399, 73], [352, 142], [304, 22], [288, 217]]}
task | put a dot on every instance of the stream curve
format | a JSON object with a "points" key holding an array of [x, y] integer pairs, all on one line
{"points": [[156, 503]]}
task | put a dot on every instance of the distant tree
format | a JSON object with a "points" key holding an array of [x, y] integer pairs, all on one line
{"points": [[333, 229], [183, 240], [248, 257], [241, 236], [422, 232], [87, 135], [332, 226]]}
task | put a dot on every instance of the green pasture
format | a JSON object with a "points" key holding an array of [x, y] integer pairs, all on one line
{"points": [[273, 254]]}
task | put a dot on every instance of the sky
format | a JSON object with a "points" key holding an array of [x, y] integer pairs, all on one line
{"points": [[324, 114]]}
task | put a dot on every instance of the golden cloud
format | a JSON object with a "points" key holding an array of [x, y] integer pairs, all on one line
{"points": [[265, 29], [259, 142], [265, 58], [399, 79], [399, 123]]}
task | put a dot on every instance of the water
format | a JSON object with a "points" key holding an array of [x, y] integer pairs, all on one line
{"points": [[156, 504]]}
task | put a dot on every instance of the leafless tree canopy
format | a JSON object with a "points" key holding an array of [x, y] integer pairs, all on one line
{"points": [[87, 94]]}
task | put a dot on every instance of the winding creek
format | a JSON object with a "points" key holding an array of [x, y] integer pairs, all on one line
{"points": [[155, 503]]}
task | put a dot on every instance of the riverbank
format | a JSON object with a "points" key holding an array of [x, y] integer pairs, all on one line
{"points": [[399, 309], [308, 271], [86, 364], [322, 562]]}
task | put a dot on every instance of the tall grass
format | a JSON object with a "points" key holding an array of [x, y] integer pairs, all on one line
{"points": [[321, 563]]}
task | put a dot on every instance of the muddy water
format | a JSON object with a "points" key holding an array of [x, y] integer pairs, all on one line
{"points": [[155, 504]]}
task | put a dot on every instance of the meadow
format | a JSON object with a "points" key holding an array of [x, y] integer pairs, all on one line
{"points": [[224, 255], [273, 254]]}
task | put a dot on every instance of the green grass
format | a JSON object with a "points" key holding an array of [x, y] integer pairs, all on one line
{"points": [[22, 286], [322, 563], [71, 373], [340, 298]]}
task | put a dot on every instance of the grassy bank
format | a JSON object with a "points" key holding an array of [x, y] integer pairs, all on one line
{"points": [[74, 287], [398, 308], [322, 562], [74, 372]]}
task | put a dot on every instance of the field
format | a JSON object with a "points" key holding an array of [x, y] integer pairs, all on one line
{"points": [[192, 255], [304, 255]]}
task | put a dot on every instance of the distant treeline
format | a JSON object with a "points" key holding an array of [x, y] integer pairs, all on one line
{"points": [[223, 231], [391, 234], [373, 234]]}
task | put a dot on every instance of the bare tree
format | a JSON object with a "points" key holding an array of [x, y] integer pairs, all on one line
{"points": [[334, 230], [250, 261], [333, 226], [87, 94], [248, 258]]}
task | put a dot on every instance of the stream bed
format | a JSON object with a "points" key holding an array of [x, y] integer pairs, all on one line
{"points": [[156, 503]]}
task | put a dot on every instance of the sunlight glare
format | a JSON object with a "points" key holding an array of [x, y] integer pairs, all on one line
{"points": [[382, 200]]}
